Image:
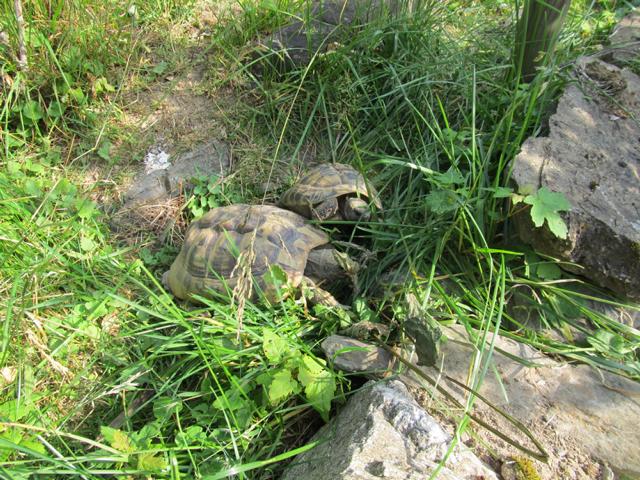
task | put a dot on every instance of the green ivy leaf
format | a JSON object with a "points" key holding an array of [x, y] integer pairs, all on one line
{"points": [[546, 205], [275, 347], [282, 386]]}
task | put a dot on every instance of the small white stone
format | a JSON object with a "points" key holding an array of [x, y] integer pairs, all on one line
{"points": [[156, 159]]}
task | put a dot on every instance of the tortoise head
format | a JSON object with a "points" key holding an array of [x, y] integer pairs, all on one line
{"points": [[355, 209]]}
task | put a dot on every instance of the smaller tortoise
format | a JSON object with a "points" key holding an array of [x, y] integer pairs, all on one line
{"points": [[331, 191], [263, 236]]}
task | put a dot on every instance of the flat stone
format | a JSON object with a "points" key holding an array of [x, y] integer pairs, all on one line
{"points": [[211, 158], [383, 433], [572, 409], [367, 358], [592, 156]]}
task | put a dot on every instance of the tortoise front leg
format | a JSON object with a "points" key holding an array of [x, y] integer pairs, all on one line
{"points": [[319, 296]]}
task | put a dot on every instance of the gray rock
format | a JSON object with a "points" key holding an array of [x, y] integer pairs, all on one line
{"points": [[367, 357], [160, 185], [383, 433], [593, 413], [324, 23], [592, 155], [625, 40]]}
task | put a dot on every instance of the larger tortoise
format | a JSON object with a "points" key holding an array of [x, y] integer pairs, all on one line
{"points": [[331, 191], [261, 236]]}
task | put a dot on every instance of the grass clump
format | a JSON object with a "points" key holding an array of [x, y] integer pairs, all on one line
{"points": [[424, 99]]}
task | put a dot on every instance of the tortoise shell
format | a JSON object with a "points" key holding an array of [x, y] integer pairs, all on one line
{"points": [[328, 180], [265, 234]]}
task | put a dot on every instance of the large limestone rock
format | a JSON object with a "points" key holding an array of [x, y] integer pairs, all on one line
{"points": [[383, 433], [592, 155], [577, 412], [625, 40], [318, 27]]}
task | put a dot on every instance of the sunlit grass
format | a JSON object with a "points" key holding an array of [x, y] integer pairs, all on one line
{"points": [[422, 101]]}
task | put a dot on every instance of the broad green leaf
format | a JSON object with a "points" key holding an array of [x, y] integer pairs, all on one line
{"points": [[15, 410], [55, 110], [264, 379], [107, 433], [275, 347], [275, 279], [442, 201], [85, 208], [87, 244], [502, 192], [610, 343], [546, 205], [34, 167], [32, 444], [160, 68], [32, 110], [282, 386], [104, 150], [309, 370], [151, 462], [548, 271], [164, 407], [13, 141], [13, 167], [363, 311], [102, 85], [77, 95], [319, 385], [117, 439], [450, 177]]}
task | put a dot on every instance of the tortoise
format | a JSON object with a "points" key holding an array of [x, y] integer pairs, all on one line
{"points": [[264, 236], [331, 191]]}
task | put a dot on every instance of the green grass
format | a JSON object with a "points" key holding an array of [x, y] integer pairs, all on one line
{"points": [[425, 106]]}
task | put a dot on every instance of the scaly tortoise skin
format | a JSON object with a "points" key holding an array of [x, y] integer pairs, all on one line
{"points": [[331, 191], [213, 242]]}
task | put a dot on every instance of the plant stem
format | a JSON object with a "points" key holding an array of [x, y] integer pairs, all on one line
{"points": [[537, 31], [22, 49]]}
